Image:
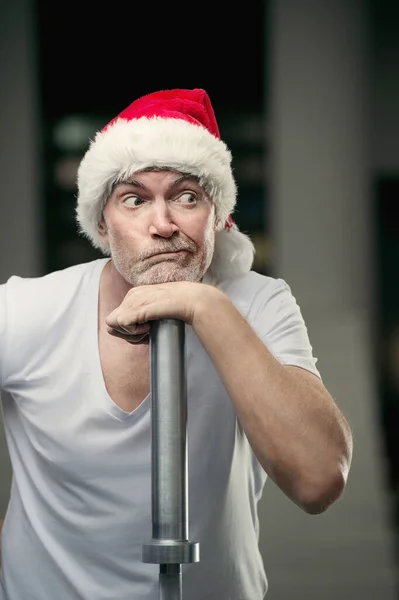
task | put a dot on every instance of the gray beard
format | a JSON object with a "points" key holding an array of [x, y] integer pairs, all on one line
{"points": [[141, 270]]}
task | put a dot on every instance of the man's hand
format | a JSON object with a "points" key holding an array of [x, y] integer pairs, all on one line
{"points": [[141, 305]]}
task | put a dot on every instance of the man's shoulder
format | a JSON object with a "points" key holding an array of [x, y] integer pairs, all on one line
{"points": [[42, 295], [58, 281], [251, 284]]}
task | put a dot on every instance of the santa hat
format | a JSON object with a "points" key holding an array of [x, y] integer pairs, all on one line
{"points": [[173, 129]]}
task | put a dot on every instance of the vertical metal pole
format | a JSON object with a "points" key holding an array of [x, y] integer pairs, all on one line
{"points": [[170, 546]]}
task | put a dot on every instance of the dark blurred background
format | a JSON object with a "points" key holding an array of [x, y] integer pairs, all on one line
{"points": [[306, 94], [92, 65]]}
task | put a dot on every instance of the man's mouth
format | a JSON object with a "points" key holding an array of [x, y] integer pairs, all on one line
{"points": [[168, 255], [172, 252]]}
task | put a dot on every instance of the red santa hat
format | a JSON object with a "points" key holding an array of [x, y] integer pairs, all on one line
{"points": [[173, 129]]}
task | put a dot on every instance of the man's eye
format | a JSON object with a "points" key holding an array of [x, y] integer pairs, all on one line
{"points": [[133, 201], [187, 198]]}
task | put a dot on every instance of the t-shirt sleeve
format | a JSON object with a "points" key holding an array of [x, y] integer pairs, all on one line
{"points": [[277, 319], [3, 322]]}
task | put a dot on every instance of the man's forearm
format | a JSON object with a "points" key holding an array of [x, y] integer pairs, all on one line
{"points": [[293, 425]]}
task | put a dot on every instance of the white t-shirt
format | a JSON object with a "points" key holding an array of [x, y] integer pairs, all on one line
{"points": [[80, 506]]}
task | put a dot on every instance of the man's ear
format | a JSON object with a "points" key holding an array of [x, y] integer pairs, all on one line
{"points": [[102, 229], [217, 224]]}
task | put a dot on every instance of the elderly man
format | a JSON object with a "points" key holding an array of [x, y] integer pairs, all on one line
{"points": [[156, 194]]}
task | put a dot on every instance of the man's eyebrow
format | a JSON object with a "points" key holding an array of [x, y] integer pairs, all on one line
{"points": [[182, 179], [136, 183], [132, 182]]}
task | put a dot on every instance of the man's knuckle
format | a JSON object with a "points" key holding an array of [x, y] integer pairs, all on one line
{"points": [[124, 321]]}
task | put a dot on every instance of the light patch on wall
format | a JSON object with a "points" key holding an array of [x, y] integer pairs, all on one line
{"points": [[65, 172]]}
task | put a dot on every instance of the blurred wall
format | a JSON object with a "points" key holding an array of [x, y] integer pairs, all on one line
{"points": [[20, 209], [385, 89], [385, 160], [320, 177]]}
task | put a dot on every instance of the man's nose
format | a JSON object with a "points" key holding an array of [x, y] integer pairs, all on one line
{"points": [[161, 222]]}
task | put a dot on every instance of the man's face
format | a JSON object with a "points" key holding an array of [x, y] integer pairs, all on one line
{"points": [[160, 227]]}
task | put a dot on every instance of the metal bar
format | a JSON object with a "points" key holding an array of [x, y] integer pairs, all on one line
{"points": [[170, 582], [169, 421], [170, 546]]}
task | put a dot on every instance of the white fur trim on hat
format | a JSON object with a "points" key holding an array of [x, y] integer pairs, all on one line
{"points": [[130, 146]]}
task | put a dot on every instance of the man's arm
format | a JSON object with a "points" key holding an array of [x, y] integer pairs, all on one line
{"points": [[297, 432]]}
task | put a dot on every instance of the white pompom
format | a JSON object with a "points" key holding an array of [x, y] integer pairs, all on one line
{"points": [[233, 256]]}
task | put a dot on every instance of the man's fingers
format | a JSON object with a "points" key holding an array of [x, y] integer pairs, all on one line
{"points": [[128, 337], [132, 329]]}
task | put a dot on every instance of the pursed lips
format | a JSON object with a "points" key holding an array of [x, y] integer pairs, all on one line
{"points": [[170, 253]]}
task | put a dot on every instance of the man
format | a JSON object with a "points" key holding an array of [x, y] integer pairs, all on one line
{"points": [[156, 193]]}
